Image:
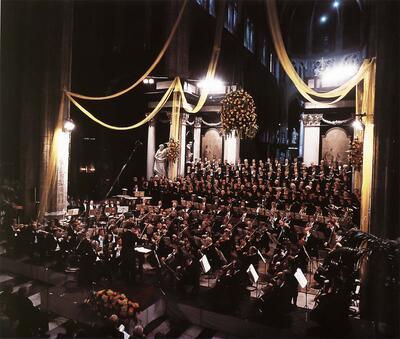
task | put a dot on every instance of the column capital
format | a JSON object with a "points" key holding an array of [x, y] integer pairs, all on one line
{"points": [[184, 118], [197, 122], [311, 119]]}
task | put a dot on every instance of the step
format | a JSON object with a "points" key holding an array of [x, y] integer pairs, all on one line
{"points": [[161, 329], [153, 324], [5, 277], [207, 333], [192, 332]]}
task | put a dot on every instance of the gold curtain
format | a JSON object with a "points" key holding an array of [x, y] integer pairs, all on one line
{"points": [[51, 166], [368, 107]]}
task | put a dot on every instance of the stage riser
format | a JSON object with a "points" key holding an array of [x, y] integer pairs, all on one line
{"points": [[217, 321], [31, 271], [153, 312]]}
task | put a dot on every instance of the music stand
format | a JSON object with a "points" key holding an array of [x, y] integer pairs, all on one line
{"points": [[206, 267], [253, 275], [303, 282], [265, 263]]}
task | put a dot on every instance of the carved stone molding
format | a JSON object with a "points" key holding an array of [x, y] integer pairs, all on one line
{"points": [[312, 119]]}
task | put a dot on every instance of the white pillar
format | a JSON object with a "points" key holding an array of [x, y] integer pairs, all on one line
{"points": [[182, 144], [231, 148], [301, 137], [311, 138], [196, 137], [151, 147], [63, 171]]}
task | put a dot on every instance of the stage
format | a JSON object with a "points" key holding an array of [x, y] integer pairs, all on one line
{"points": [[167, 312]]}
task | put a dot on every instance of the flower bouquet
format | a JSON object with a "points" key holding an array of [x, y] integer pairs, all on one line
{"points": [[108, 302], [238, 114], [173, 150]]}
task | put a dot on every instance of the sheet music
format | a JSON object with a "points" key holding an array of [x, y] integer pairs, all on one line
{"points": [[251, 271], [205, 265], [301, 278], [142, 249]]}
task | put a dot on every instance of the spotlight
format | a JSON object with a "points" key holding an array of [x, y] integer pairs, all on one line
{"points": [[148, 81], [336, 4], [323, 19], [357, 125], [69, 125]]}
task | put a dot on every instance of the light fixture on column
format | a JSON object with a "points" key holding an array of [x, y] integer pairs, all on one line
{"points": [[357, 124], [68, 125]]}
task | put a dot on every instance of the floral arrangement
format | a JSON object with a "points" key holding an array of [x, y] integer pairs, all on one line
{"points": [[238, 114], [356, 154], [173, 150], [108, 302]]}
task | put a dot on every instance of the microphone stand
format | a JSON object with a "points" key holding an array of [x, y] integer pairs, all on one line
{"points": [[137, 144]]}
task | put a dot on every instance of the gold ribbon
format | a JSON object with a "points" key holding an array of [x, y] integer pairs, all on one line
{"points": [[338, 93], [176, 85], [212, 66], [150, 116], [144, 76]]}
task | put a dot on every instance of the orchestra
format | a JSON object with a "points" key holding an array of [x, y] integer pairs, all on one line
{"points": [[236, 218]]}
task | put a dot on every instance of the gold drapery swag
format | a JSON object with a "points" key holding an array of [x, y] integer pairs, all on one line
{"points": [[364, 79], [176, 85], [307, 92]]}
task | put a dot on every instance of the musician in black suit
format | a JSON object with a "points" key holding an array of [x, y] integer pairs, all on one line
{"points": [[128, 255]]}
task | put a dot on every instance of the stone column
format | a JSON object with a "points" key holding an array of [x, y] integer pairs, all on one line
{"points": [[311, 138], [197, 137], [301, 137], [182, 139], [231, 148], [151, 147], [174, 132]]}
